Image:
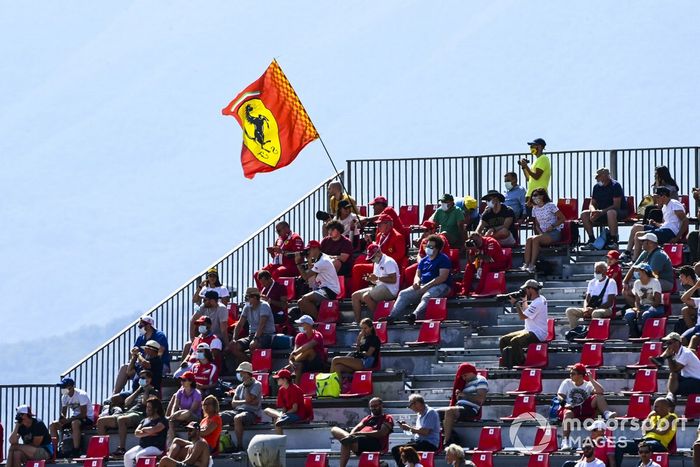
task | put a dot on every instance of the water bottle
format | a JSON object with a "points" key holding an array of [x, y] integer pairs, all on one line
{"points": [[554, 411]]}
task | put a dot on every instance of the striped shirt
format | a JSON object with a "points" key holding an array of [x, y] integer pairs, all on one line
{"points": [[472, 387]]}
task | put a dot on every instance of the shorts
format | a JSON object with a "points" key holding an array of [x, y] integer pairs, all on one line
{"points": [[381, 292], [582, 412], [555, 235], [603, 218], [319, 295], [687, 386], [249, 419], [85, 423], [367, 444], [312, 366], [43, 453], [368, 363], [663, 235], [264, 341], [467, 412], [288, 419]]}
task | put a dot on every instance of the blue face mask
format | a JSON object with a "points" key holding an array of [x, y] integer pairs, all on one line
{"points": [[239, 376], [635, 274], [142, 382]]}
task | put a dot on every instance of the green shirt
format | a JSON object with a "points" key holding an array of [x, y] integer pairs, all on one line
{"points": [[449, 223], [541, 162]]}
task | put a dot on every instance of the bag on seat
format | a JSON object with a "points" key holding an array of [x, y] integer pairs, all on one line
{"points": [[327, 385], [579, 332]]}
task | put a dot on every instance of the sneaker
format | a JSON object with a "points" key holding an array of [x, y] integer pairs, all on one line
{"points": [[119, 452], [524, 267], [608, 414], [531, 268], [588, 245], [411, 319], [612, 246], [565, 445]]}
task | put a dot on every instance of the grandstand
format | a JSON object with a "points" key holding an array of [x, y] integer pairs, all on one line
{"points": [[469, 332]]}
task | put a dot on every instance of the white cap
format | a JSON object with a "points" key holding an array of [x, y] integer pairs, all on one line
{"points": [[203, 346], [650, 236], [154, 345], [305, 319], [148, 319], [23, 409]]}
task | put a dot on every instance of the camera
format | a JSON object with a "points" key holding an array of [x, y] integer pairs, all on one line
{"points": [[517, 295]]}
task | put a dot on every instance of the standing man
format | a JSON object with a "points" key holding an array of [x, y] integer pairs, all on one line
{"points": [[532, 309], [76, 413], [319, 272], [384, 281], [514, 194], [451, 220], [425, 433], [607, 207], [36, 440], [540, 173], [370, 435]]}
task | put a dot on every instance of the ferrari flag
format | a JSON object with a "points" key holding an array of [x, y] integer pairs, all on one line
{"points": [[275, 125]]}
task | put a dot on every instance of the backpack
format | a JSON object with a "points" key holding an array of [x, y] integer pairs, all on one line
{"points": [[579, 332], [327, 385], [225, 442]]}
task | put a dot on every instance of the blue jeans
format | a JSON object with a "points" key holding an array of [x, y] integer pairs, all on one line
{"points": [[410, 296], [636, 322]]}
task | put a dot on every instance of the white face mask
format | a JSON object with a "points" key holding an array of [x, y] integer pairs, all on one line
{"points": [[64, 391], [200, 356], [142, 331], [429, 251], [301, 329], [444, 206], [489, 204], [202, 329], [537, 199], [239, 376], [598, 276], [508, 185], [600, 183]]}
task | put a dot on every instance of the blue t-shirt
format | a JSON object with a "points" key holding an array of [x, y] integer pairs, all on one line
{"points": [[429, 419], [603, 195], [159, 337], [429, 269]]}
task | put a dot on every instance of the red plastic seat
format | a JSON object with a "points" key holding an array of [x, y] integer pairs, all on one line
{"points": [[96, 411], [530, 382], [482, 459], [692, 407], [369, 459], [316, 459], [454, 257], [93, 461], [232, 314], [329, 312], [666, 302], [685, 201], [545, 440], [381, 329], [639, 408], [361, 385], [631, 209], [568, 207], [592, 355], [327, 330], [308, 384], [264, 379], [289, 283], [654, 330], [536, 357], [341, 283], [675, 253], [147, 461], [409, 215], [98, 447], [508, 253], [524, 404], [32, 463], [383, 310], [436, 310], [262, 360], [362, 210], [649, 349], [645, 382], [309, 407], [586, 204], [428, 211], [550, 330], [426, 458], [660, 458], [494, 284], [598, 330], [538, 460], [490, 439], [429, 334]]}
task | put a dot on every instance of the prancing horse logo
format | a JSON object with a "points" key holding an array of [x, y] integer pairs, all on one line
{"points": [[260, 131]]}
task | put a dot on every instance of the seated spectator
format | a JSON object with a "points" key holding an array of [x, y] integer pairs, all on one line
{"points": [[320, 274], [384, 282], [193, 452], [484, 255], [149, 360], [290, 403], [673, 227], [425, 434], [205, 336], [614, 270], [580, 399], [151, 432], [366, 354], [659, 428], [684, 367], [246, 403], [694, 236], [390, 241], [454, 456], [432, 281], [647, 299], [497, 220], [588, 457], [409, 457], [468, 395], [217, 313], [451, 220], [532, 309], [205, 370], [211, 425], [76, 413], [211, 282], [599, 299], [431, 228], [185, 405], [336, 194], [645, 455], [338, 248], [471, 210], [35, 439], [607, 206], [129, 372], [660, 263], [135, 406], [309, 353], [258, 315], [380, 205], [689, 312], [275, 294], [662, 179], [539, 175], [349, 220], [548, 223], [370, 435], [514, 195], [282, 252]]}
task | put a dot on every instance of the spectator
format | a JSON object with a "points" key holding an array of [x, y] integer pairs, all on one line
{"points": [[540, 173], [370, 435], [338, 248], [647, 299], [380, 205], [471, 211], [689, 312], [660, 263], [429, 228], [614, 270], [282, 252], [600, 297], [309, 353], [607, 206], [662, 179], [548, 223], [384, 282], [261, 321], [366, 355], [147, 332], [514, 195], [206, 373], [211, 282], [36, 442], [658, 429], [336, 195], [432, 281], [450, 219], [588, 457], [484, 255], [275, 294], [390, 242], [320, 273], [218, 314], [645, 456], [193, 452], [684, 367], [532, 309], [425, 433], [694, 236], [454, 456], [349, 220], [151, 432], [76, 413], [185, 405], [580, 399], [135, 406], [672, 229], [497, 220], [210, 426], [205, 336], [149, 360], [246, 403], [468, 395], [290, 403], [409, 457]]}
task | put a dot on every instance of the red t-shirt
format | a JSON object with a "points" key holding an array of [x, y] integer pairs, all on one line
{"points": [[203, 340], [372, 423], [290, 244], [287, 397], [205, 373], [275, 292], [615, 273], [301, 339], [393, 244], [492, 248], [445, 248], [212, 438]]}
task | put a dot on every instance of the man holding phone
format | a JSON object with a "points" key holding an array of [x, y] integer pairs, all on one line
{"points": [[540, 173]]}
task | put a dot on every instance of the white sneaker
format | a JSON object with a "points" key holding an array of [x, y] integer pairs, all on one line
{"points": [[524, 267], [531, 268], [565, 445]]}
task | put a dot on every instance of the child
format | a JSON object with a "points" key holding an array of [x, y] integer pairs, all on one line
{"points": [[614, 269]]}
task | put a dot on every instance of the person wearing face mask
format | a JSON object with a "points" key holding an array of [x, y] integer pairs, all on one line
{"points": [[76, 413], [148, 358], [151, 432], [540, 173], [246, 401], [497, 220], [532, 310], [218, 314], [608, 206], [318, 271], [192, 452], [384, 282], [647, 299], [205, 336], [258, 315], [391, 242], [691, 320], [549, 221], [514, 195], [485, 254], [451, 219], [185, 405], [380, 205], [206, 373], [309, 353], [660, 263], [370, 435], [599, 299]]}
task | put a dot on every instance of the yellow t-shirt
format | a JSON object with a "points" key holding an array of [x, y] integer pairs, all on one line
{"points": [[654, 422], [541, 162], [333, 203]]}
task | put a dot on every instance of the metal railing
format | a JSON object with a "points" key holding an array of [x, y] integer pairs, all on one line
{"points": [[44, 399]]}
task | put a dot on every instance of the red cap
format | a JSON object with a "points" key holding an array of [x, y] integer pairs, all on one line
{"points": [[380, 200], [372, 250], [614, 254], [313, 244], [428, 224], [284, 373], [188, 375], [580, 368], [203, 320], [384, 218]]}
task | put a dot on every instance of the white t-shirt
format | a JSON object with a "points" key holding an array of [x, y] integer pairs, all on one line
{"points": [[690, 362], [536, 321], [347, 225], [671, 220], [593, 463], [325, 274], [646, 292], [575, 395], [221, 290], [386, 266], [595, 287], [546, 216], [74, 402]]}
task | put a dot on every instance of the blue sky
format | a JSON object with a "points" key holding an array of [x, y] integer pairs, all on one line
{"points": [[121, 179]]}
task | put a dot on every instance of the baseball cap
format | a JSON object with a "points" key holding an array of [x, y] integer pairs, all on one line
{"points": [[646, 267], [245, 366], [188, 375], [212, 295], [650, 236], [252, 291], [447, 198], [313, 244], [537, 141], [470, 202], [305, 319], [384, 218], [203, 346], [672, 336], [579, 368], [147, 320], [65, 382], [428, 224], [203, 320], [283, 373], [602, 170], [380, 200], [23, 409], [212, 271], [153, 345], [614, 254], [531, 283], [343, 203], [372, 250]]}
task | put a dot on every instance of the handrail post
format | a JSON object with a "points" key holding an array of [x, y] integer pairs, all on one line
{"points": [[613, 164], [348, 179], [478, 193]]}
